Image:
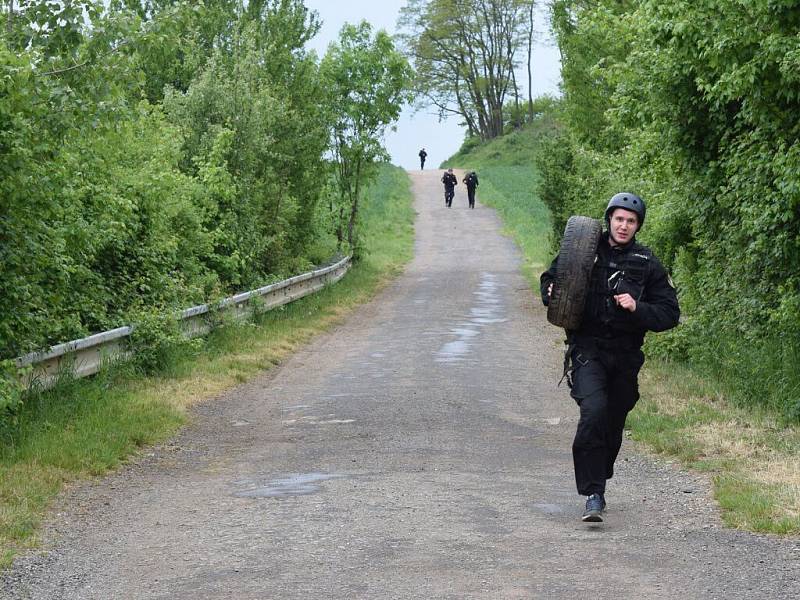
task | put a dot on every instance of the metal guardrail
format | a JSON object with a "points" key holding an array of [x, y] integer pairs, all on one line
{"points": [[87, 356]]}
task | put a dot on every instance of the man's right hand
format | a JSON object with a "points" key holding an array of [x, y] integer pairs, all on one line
{"points": [[547, 295]]}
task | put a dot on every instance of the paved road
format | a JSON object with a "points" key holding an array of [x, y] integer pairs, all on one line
{"points": [[419, 451]]}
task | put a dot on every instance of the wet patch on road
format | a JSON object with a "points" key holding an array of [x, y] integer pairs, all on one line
{"points": [[293, 415], [298, 484], [487, 311], [329, 419]]}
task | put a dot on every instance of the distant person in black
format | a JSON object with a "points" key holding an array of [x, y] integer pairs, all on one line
{"points": [[629, 294], [422, 156], [450, 182], [471, 179]]}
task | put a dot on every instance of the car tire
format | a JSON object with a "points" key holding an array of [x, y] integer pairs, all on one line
{"points": [[573, 271]]}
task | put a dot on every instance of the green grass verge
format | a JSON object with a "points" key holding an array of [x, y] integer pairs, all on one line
{"points": [[83, 428], [511, 191], [753, 457], [750, 454]]}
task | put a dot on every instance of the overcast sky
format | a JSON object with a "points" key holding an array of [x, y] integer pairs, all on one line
{"points": [[415, 130]]}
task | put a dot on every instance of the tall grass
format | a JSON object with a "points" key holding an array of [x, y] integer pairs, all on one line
{"points": [[83, 428], [511, 191], [751, 456]]}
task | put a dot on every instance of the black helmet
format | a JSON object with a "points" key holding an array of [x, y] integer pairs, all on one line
{"points": [[628, 201]]}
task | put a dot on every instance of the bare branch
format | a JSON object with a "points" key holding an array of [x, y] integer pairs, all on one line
{"points": [[83, 64]]}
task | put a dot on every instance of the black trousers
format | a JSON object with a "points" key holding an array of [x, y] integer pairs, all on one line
{"points": [[606, 387], [471, 197], [449, 193]]}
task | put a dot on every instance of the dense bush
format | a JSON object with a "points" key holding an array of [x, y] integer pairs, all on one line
{"points": [[154, 155], [695, 106]]}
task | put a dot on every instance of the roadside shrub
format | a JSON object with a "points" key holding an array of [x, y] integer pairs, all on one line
{"points": [[155, 341], [11, 391]]}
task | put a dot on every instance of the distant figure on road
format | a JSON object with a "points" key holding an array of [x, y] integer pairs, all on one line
{"points": [[422, 156], [450, 182], [471, 179], [629, 294]]}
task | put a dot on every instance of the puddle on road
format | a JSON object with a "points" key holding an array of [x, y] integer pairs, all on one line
{"points": [[457, 348], [464, 332], [487, 311], [337, 396], [484, 321], [299, 484]]}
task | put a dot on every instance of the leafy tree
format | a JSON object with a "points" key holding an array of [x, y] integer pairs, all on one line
{"points": [[368, 80], [464, 54], [592, 36], [106, 206], [300, 142], [257, 124], [177, 39], [156, 154], [61, 85]]}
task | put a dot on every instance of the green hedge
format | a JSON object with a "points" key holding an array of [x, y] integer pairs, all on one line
{"points": [[694, 105], [154, 156]]}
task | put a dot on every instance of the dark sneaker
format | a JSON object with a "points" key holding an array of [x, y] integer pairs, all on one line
{"points": [[594, 509]]}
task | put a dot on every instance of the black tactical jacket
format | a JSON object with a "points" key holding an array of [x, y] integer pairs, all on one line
{"points": [[449, 180], [632, 269]]}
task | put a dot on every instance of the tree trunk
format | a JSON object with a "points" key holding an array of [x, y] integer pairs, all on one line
{"points": [[351, 224], [465, 113], [530, 54], [516, 120]]}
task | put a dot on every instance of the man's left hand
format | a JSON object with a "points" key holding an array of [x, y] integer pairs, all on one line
{"points": [[625, 301]]}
